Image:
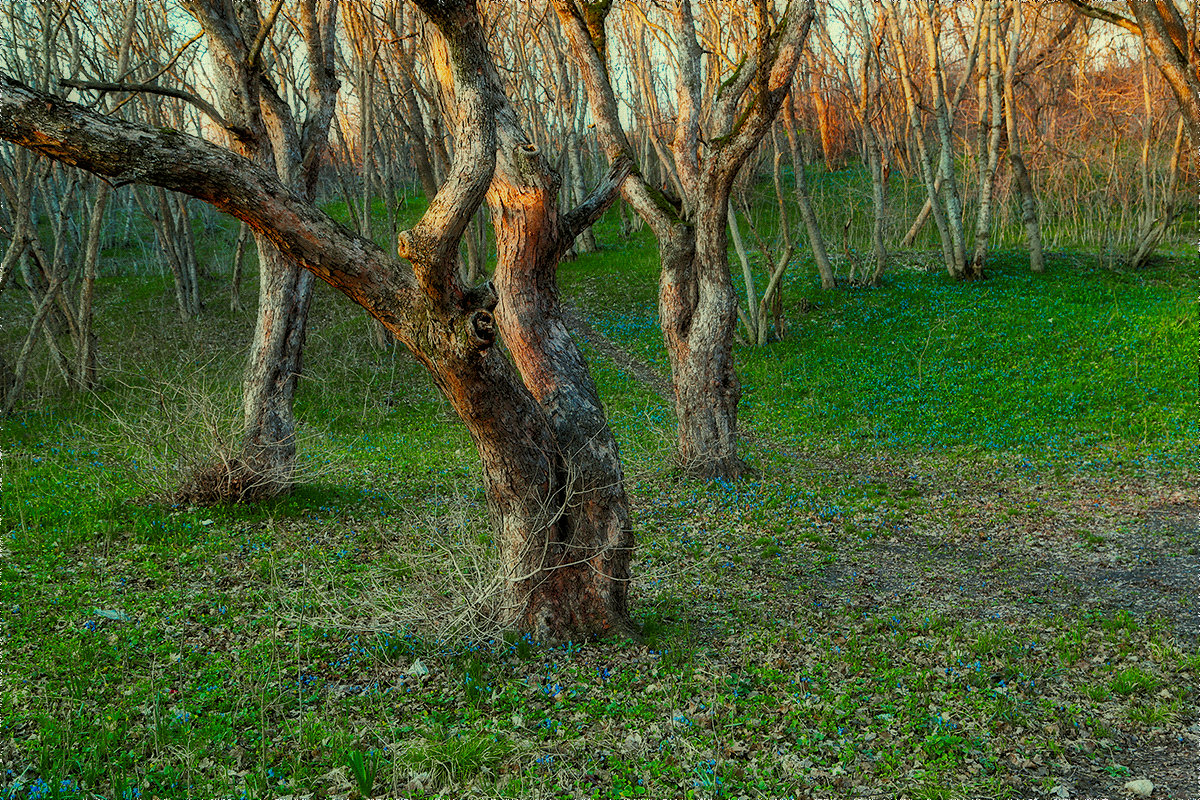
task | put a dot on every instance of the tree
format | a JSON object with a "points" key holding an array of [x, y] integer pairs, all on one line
{"points": [[697, 304], [1171, 41], [551, 471], [260, 124]]}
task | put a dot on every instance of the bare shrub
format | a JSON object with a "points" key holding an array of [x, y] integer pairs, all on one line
{"points": [[187, 445]]}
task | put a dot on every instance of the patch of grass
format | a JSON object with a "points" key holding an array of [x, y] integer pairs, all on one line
{"points": [[1133, 681], [440, 757]]}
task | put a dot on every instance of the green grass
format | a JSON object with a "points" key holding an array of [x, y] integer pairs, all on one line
{"points": [[266, 651]]}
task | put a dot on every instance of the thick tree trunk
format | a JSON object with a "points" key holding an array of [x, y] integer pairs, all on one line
{"points": [[697, 309], [552, 481], [583, 577]]}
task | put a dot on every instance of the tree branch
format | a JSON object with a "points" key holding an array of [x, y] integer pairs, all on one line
{"points": [[477, 95], [135, 153], [1095, 12], [199, 102], [758, 118], [578, 219], [649, 203], [263, 31]]}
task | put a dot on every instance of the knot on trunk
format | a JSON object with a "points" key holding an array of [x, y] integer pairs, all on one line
{"points": [[404, 244], [482, 326], [483, 296]]}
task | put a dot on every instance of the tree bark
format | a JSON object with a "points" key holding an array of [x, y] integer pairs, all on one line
{"points": [[989, 140], [265, 130], [582, 579]]}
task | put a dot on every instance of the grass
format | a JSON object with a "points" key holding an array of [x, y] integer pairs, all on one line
{"points": [[867, 615]]}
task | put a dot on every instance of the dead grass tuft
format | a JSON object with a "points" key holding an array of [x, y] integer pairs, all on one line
{"points": [[187, 446]]}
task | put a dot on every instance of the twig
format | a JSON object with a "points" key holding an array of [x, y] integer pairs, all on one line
{"points": [[209, 110]]}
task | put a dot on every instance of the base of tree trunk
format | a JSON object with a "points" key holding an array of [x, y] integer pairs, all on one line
{"points": [[233, 482], [729, 468]]}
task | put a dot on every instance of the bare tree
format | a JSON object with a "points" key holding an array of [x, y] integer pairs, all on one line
{"points": [[716, 131], [565, 556]]}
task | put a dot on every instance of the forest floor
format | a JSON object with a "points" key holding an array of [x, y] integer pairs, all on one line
{"points": [[967, 566]]}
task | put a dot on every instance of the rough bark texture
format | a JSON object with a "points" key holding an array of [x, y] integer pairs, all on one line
{"points": [[275, 363], [583, 576]]}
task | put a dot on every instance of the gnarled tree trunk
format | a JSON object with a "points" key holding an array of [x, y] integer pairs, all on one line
{"points": [[550, 465], [697, 304]]}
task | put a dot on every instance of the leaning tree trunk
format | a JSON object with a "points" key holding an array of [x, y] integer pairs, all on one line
{"points": [[804, 202]]}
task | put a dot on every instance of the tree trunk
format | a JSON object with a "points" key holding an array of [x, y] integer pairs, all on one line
{"points": [[989, 141], [697, 303], [85, 368], [698, 312], [273, 368], [582, 580], [917, 131], [944, 124], [1029, 209], [239, 258], [811, 225]]}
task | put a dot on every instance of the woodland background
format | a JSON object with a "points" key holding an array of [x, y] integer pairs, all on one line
{"points": [[953, 555]]}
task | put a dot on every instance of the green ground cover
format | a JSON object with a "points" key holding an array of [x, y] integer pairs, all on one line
{"points": [[962, 570]]}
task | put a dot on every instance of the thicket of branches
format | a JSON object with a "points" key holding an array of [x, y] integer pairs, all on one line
{"points": [[1060, 132]]}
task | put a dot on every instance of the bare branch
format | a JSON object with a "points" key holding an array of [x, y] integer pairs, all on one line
{"points": [[595, 204], [1095, 12], [263, 31], [150, 88], [135, 153]]}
